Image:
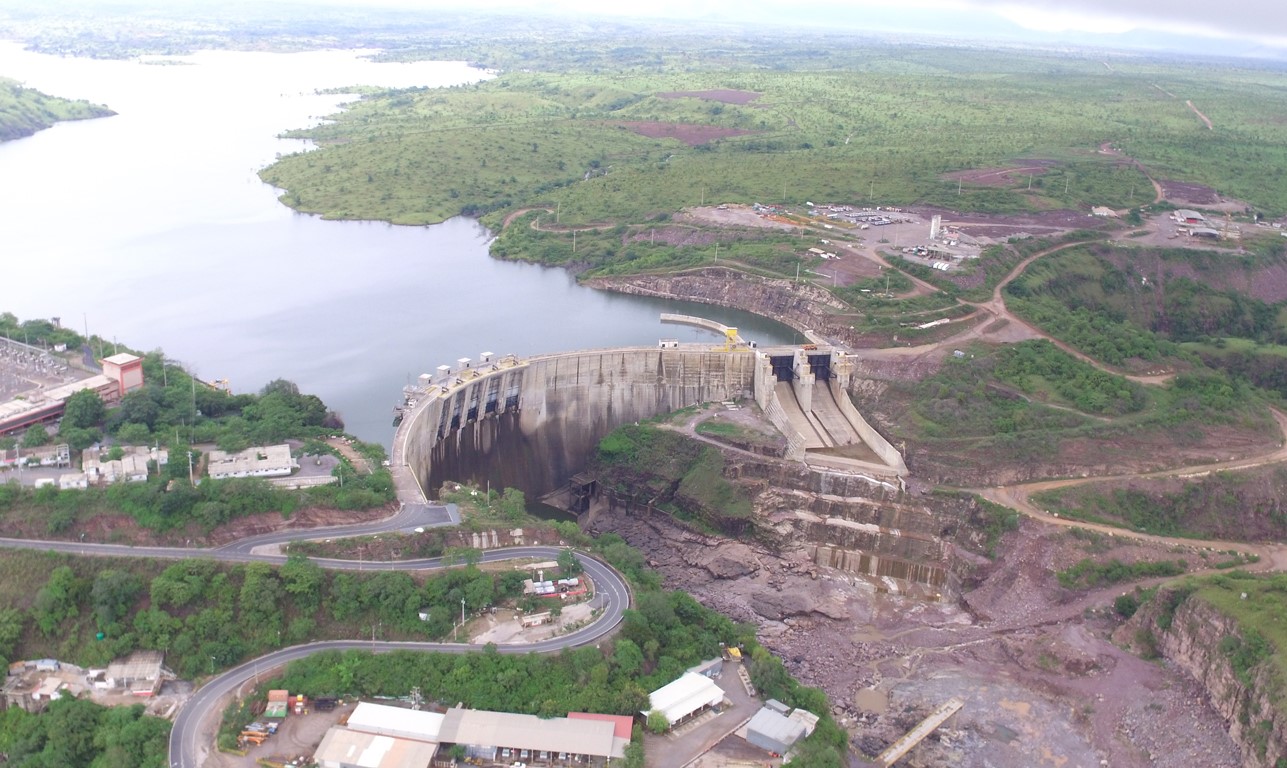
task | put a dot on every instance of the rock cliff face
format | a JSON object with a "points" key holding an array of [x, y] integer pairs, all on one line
{"points": [[799, 305], [1203, 642], [867, 527]]}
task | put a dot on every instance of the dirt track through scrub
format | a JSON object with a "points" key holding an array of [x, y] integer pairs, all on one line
{"points": [[1273, 557], [1205, 119]]}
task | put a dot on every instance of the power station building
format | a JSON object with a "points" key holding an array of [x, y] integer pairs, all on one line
{"points": [[121, 373]]}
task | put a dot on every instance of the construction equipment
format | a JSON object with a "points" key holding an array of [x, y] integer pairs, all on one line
{"points": [[257, 733]]}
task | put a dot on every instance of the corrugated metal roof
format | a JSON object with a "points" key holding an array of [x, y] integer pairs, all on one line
{"points": [[622, 725], [504, 729], [140, 665], [775, 727], [685, 696], [341, 746], [396, 721]]}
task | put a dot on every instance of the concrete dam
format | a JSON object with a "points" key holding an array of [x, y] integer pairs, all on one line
{"points": [[532, 423]]}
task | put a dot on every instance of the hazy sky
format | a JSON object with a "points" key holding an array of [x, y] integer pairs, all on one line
{"points": [[1257, 23], [1250, 27]]}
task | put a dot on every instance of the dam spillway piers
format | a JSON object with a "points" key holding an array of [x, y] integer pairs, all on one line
{"points": [[531, 423]]}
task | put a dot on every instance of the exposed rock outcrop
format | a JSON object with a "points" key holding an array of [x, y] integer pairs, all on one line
{"points": [[1202, 641]]}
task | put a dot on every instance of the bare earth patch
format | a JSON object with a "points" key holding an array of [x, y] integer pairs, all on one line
{"points": [[730, 216], [1001, 177], [691, 134], [1183, 192], [1002, 226], [724, 95]]}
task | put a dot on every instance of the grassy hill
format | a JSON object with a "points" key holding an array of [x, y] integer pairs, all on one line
{"points": [[24, 111]]}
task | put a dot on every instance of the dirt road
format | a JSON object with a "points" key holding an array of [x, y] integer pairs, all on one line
{"points": [[1205, 119], [1273, 557]]}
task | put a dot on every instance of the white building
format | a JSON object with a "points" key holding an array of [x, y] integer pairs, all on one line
{"points": [[132, 467], [74, 482], [679, 700], [259, 461]]}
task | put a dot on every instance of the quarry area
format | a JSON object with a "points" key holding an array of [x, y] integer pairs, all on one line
{"points": [[1042, 681]]}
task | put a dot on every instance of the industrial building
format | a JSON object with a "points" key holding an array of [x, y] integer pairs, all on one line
{"points": [[776, 727], [773, 732], [140, 673], [121, 373], [380, 736], [504, 736], [259, 461], [345, 748], [126, 370], [681, 699]]}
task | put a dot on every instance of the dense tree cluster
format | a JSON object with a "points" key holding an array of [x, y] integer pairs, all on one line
{"points": [[1034, 365], [206, 616], [77, 733]]}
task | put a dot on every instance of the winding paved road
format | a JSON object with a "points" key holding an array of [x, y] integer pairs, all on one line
{"points": [[196, 717]]}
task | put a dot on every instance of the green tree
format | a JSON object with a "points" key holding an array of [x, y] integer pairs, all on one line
{"points": [[84, 409], [35, 437], [12, 622], [569, 565], [303, 580], [657, 722], [58, 600], [627, 658], [79, 439], [113, 595], [513, 504]]}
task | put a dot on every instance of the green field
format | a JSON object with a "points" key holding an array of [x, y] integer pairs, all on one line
{"points": [[867, 124], [23, 111]]}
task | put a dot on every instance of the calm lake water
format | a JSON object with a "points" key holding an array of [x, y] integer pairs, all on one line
{"points": [[154, 227]]}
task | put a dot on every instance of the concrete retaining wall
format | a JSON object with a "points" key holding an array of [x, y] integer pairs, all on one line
{"points": [[874, 440]]}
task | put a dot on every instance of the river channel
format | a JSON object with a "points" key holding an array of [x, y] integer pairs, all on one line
{"points": [[152, 227]]}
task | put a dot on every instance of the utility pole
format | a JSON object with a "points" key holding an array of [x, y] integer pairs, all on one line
{"points": [[191, 480], [462, 617]]}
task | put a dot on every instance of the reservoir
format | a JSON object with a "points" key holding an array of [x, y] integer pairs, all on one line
{"points": [[153, 228]]}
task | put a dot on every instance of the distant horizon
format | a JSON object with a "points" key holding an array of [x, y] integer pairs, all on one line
{"points": [[1147, 26]]}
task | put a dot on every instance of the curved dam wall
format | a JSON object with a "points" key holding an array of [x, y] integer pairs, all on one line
{"points": [[530, 424]]}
